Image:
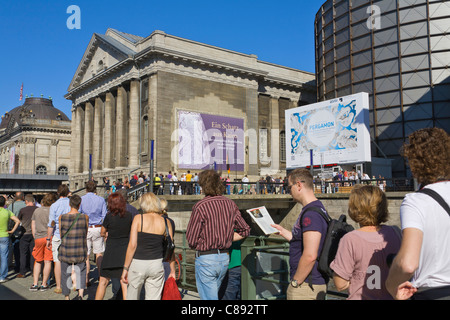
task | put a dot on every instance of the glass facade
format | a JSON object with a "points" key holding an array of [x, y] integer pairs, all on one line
{"points": [[396, 50]]}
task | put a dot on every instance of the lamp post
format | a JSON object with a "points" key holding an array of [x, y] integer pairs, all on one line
{"points": [[151, 165]]}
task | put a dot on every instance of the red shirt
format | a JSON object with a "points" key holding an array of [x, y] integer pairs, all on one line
{"points": [[213, 223]]}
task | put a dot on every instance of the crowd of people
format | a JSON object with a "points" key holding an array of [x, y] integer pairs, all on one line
{"points": [[376, 261], [63, 231]]}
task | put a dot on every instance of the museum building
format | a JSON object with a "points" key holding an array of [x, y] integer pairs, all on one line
{"points": [[198, 105], [34, 147]]}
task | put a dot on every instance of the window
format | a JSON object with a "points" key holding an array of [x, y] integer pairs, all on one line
{"points": [[63, 171], [282, 146], [41, 169]]}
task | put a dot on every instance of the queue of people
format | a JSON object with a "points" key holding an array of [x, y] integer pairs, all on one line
{"points": [[376, 261]]}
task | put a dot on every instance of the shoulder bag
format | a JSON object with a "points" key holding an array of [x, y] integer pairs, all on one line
{"points": [[19, 232], [436, 196], [168, 244]]}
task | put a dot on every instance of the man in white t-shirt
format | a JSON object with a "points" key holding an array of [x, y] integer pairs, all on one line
{"points": [[421, 269]]}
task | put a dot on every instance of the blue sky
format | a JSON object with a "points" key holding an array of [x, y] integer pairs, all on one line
{"points": [[38, 50]]}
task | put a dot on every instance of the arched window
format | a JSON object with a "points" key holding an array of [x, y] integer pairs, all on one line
{"points": [[41, 169], [63, 171]]}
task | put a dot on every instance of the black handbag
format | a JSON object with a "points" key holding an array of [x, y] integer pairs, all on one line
{"points": [[168, 244], [16, 235]]}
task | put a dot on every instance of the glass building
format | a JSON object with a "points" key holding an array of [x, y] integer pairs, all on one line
{"points": [[396, 50]]}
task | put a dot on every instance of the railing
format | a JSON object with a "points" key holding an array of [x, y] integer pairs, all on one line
{"points": [[259, 187], [257, 281]]}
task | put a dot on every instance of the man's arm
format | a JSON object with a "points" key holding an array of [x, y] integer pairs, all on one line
{"points": [[405, 264], [311, 243]]}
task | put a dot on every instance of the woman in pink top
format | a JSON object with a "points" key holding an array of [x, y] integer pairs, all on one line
{"points": [[361, 264]]}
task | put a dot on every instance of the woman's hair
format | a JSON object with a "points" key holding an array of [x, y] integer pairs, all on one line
{"points": [[48, 199], [150, 203], [164, 205], [211, 183], [367, 205], [116, 204], [428, 154]]}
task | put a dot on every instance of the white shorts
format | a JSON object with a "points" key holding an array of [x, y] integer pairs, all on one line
{"points": [[95, 241]]}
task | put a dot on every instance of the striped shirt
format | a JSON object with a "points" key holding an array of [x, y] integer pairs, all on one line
{"points": [[213, 223]]}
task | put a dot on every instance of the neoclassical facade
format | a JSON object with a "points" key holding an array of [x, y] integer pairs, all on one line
{"points": [[202, 106], [35, 139]]}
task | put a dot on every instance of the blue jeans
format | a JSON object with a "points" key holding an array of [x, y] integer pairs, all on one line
{"points": [[209, 272], [231, 285], [4, 252]]}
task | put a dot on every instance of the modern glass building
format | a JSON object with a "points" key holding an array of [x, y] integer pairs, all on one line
{"points": [[396, 50]]}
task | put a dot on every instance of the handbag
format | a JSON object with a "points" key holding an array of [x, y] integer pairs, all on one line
{"points": [[168, 244], [19, 231], [170, 290]]}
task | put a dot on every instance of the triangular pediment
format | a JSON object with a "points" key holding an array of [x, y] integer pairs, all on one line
{"points": [[102, 53]]}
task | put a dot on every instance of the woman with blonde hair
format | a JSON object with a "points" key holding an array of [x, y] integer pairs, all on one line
{"points": [[361, 264], [144, 258]]}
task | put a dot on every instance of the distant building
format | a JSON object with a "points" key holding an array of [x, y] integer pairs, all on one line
{"points": [[34, 147], [129, 91], [398, 52]]}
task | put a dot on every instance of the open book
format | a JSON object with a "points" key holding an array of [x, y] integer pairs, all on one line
{"points": [[263, 219]]}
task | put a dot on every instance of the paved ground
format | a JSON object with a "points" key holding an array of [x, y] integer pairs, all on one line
{"points": [[18, 289]]}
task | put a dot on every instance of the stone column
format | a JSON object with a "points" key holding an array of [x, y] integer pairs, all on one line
{"points": [[274, 135], [79, 142], [109, 131], [88, 134], [252, 133], [74, 137], [133, 132], [97, 157], [120, 155]]}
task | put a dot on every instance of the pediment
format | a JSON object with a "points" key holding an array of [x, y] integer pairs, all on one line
{"points": [[102, 53]]}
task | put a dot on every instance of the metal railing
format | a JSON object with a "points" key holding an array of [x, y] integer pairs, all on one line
{"points": [[257, 281]]}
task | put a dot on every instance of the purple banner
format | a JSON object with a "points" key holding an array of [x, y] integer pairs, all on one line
{"points": [[210, 141]]}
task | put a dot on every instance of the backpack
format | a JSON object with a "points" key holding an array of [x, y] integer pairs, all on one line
{"points": [[336, 230]]}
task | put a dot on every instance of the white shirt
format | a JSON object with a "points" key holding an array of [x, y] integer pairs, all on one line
{"points": [[422, 212]]}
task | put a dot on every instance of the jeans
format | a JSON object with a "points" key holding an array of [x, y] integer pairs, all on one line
{"points": [[231, 285], [209, 273], [4, 252]]}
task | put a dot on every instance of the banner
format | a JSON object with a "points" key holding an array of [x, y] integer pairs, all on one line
{"points": [[12, 160], [206, 141], [337, 131]]}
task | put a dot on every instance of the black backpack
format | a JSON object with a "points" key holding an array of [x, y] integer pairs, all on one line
{"points": [[336, 230]]}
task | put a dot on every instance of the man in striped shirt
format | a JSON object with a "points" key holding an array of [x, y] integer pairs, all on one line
{"points": [[214, 224]]}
